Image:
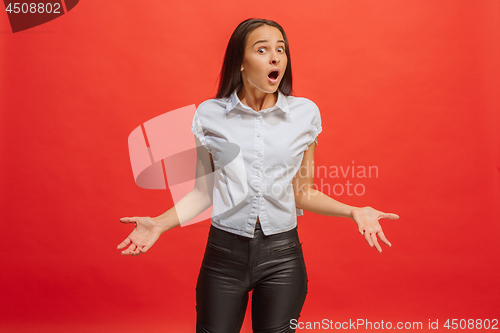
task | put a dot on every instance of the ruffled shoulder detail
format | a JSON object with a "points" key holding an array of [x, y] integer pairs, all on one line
{"points": [[197, 129], [314, 126]]}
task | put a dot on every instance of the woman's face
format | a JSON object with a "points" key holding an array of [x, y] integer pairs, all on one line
{"points": [[264, 61]]}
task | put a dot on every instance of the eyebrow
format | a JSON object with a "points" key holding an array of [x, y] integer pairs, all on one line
{"points": [[265, 41]]}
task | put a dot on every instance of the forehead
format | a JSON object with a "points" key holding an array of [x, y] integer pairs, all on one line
{"points": [[264, 32]]}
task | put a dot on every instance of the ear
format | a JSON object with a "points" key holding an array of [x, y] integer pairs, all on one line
{"points": [[242, 68]]}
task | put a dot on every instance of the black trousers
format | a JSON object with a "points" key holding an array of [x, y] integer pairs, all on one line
{"points": [[272, 266]]}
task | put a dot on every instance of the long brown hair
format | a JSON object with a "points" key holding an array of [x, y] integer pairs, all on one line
{"points": [[230, 75]]}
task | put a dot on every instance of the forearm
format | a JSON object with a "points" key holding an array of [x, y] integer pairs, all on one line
{"points": [[187, 208], [317, 202]]}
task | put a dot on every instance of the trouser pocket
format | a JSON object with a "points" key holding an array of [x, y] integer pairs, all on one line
{"points": [[219, 248]]}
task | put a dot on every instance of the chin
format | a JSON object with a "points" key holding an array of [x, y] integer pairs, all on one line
{"points": [[271, 89]]}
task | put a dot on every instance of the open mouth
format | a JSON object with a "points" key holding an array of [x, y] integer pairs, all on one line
{"points": [[273, 75]]}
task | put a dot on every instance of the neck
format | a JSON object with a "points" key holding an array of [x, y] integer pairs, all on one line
{"points": [[257, 99]]}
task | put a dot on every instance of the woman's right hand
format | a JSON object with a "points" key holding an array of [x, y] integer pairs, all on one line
{"points": [[145, 234]]}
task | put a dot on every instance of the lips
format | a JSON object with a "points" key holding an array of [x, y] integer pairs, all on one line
{"points": [[273, 75]]}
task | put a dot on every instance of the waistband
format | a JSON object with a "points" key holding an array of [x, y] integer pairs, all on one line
{"points": [[217, 233]]}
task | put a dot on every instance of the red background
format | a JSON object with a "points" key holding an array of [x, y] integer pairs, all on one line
{"points": [[411, 87]]}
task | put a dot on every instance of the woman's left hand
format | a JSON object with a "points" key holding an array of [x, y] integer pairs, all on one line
{"points": [[367, 220]]}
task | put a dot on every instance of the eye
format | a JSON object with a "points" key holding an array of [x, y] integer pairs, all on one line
{"points": [[281, 49], [262, 50]]}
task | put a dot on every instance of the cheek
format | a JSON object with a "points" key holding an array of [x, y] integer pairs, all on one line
{"points": [[253, 65], [255, 70]]}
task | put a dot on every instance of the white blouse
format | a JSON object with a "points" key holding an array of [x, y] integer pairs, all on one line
{"points": [[256, 154]]}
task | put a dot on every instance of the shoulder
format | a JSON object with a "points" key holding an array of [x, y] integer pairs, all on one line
{"points": [[212, 105], [302, 105]]}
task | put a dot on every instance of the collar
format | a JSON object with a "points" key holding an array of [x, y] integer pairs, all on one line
{"points": [[234, 101]]}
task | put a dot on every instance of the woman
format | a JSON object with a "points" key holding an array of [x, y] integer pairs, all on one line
{"points": [[257, 172]]}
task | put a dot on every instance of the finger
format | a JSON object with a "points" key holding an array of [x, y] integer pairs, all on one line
{"points": [[136, 252], [125, 252], [129, 250], [128, 220], [368, 238], [123, 244], [383, 239], [144, 249], [375, 242], [389, 216]]}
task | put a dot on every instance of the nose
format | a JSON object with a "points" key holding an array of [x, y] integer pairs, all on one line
{"points": [[275, 58]]}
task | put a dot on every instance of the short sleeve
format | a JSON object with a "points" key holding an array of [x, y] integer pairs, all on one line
{"points": [[314, 126], [197, 130]]}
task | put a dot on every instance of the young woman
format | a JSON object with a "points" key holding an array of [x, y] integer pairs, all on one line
{"points": [[257, 173]]}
